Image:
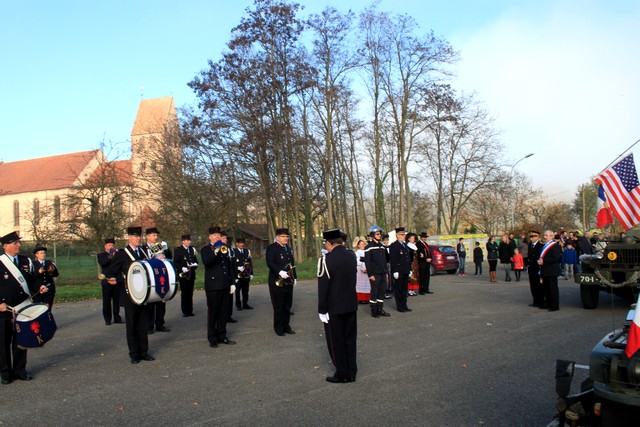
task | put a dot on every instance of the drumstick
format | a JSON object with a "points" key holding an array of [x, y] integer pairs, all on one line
{"points": [[11, 309]]}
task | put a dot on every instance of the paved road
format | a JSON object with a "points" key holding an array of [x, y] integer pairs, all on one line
{"points": [[471, 354]]}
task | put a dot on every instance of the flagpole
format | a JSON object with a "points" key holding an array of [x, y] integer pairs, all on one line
{"points": [[621, 154]]}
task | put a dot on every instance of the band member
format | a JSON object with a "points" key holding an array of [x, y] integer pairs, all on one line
{"points": [[43, 273], [549, 262], [218, 279], [232, 256], [537, 290], [338, 305], [16, 284], [186, 262], [375, 259], [400, 261], [424, 264], [282, 278], [152, 249], [244, 265], [136, 316], [109, 280]]}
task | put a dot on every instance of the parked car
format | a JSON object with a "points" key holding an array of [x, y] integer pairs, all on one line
{"points": [[444, 258]]}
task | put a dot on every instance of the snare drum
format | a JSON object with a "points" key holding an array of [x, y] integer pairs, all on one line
{"points": [[151, 280], [34, 326]]}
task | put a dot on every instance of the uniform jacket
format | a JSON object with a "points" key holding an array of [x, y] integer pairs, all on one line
{"points": [[243, 259], [218, 269], [278, 257], [11, 291], [182, 257], [107, 266], [46, 277], [399, 258], [337, 290], [551, 261], [376, 258], [423, 251], [534, 255]]}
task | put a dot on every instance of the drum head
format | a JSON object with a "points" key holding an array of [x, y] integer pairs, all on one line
{"points": [[32, 311], [138, 282]]}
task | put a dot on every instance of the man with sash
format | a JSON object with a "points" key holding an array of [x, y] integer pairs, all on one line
{"points": [[186, 264], [224, 237], [424, 264], [16, 284], [549, 262], [282, 278], [157, 309], [338, 305], [400, 263], [244, 265], [535, 285], [108, 281], [136, 316], [218, 279]]}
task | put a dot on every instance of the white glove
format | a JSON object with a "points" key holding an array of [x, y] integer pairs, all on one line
{"points": [[324, 317], [295, 282], [195, 264], [233, 289], [241, 268], [185, 270], [251, 277], [410, 273], [284, 274], [396, 275]]}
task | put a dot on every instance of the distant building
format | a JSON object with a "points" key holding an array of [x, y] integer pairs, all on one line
{"points": [[34, 193]]}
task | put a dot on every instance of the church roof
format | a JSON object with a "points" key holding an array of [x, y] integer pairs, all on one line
{"points": [[44, 173], [117, 172], [153, 115]]}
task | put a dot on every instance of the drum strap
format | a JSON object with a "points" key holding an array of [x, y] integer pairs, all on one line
{"points": [[130, 254], [15, 272]]}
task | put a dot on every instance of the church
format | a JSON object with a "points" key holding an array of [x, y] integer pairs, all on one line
{"points": [[37, 195]]}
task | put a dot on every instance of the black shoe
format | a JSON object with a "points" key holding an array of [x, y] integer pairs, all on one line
{"points": [[163, 329], [508, 279], [387, 296], [107, 323], [335, 380], [280, 334], [25, 377], [290, 332], [147, 357], [118, 320], [213, 344], [384, 313], [553, 309], [238, 308], [150, 331], [408, 309], [6, 381], [227, 341], [291, 313], [543, 307], [231, 320], [375, 314], [135, 360], [422, 293], [188, 315], [429, 292], [534, 305], [247, 307]]}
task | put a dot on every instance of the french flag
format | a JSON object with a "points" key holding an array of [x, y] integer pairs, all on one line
{"points": [[633, 339], [603, 216]]}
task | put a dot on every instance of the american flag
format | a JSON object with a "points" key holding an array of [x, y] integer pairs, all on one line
{"points": [[620, 183]]}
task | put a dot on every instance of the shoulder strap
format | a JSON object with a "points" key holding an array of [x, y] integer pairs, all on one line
{"points": [[15, 272]]}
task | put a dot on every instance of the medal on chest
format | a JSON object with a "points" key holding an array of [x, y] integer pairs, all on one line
{"points": [[6, 275]]}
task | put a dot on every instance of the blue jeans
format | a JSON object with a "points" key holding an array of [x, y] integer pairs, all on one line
{"points": [[463, 261]]}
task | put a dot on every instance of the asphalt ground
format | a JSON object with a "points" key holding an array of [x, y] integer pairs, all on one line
{"points": [[471, 354]]}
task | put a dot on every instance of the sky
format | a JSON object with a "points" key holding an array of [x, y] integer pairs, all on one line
{"points": [[560, 77]]}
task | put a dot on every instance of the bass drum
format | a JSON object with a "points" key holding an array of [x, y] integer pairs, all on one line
{"points": [[152, 280]]}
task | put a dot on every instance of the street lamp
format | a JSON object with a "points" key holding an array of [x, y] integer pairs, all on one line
{"points": [[515, 196]]}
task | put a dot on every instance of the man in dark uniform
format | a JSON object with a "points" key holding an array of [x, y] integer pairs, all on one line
{"points": [[218, 278], [109, 280], [157, 309], [338, 305], [16, 284], [44, 271], [244, 265], [549, 262], [537, 290], [136, 316], [375, 260], [282, 278], [400, 262], [424, 264], [186, 263], [224, 237]]}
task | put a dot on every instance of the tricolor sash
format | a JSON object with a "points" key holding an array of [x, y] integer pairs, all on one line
{"points": [[546, 248]]}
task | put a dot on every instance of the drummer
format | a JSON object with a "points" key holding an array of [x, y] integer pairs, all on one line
{"points": [[15, 279], [136, 316], [44, 271]]}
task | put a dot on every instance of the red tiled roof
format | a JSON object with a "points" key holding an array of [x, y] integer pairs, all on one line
{"points": [[122, 169], [153, 115], [44, 173]]}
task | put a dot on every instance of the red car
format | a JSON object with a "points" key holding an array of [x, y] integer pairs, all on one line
{"points": [[444, 258]]}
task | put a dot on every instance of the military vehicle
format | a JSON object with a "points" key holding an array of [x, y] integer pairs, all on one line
{"points": [[610, 396]]}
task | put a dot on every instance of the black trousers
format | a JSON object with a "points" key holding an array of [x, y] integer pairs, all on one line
{"points": [[341, 333], [217, 314], [242, 290], [536, 288], [424, 280], [552, 295], [110, 302], [378, 286], [478, 267], [401, 291], [186, 296], [137, 323], [157, 311], [281, 300], [10, 352]]}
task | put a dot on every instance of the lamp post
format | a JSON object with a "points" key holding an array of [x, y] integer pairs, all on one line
{"points": [[515, 196]]}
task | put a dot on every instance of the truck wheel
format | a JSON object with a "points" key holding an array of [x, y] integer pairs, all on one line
{"points": [[589, 295]]}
